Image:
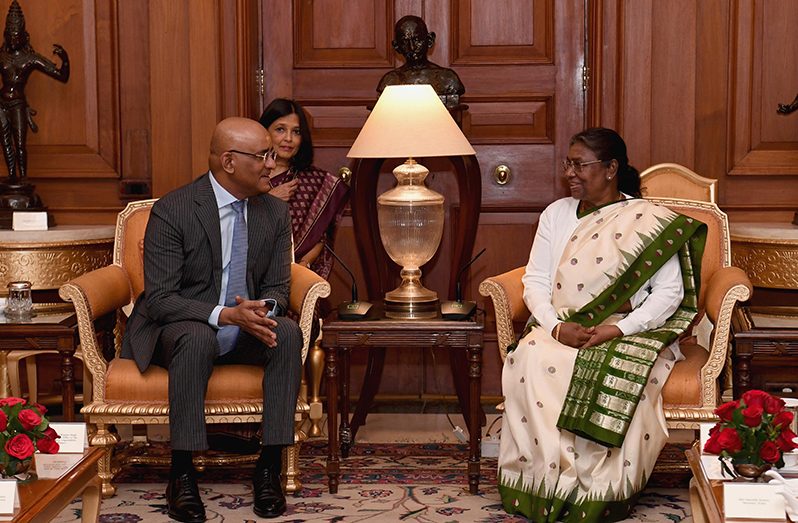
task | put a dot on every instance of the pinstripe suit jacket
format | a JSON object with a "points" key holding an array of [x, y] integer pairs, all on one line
{"points": [[183, 262]]}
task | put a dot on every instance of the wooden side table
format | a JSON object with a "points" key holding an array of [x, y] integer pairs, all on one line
{"points": [[766, 350], [339, 337], [45, 499], [57, 332]]}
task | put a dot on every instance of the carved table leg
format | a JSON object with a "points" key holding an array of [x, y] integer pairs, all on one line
{"points": [[345, 430], [474, 425], [333, 463], [742, 375], [68, 383], [458, 361]]}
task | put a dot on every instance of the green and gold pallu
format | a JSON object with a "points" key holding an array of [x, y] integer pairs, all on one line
{"points": [[608, 379]]}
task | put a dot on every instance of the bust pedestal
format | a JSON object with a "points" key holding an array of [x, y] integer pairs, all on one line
{"points": [[50, 258], [767, 252]]}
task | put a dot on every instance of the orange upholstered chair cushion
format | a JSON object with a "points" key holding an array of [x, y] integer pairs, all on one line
{"points": [[683, 388], [229, 383]]}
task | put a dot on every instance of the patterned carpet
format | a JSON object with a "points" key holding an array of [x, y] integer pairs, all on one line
{"points": [[380, 483]]}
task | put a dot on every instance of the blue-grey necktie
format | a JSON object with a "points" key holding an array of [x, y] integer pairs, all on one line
{"points": [[237, 277]]}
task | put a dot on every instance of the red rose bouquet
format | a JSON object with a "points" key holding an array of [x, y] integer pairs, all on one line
{"points": [[23, 430], [753, 430]]}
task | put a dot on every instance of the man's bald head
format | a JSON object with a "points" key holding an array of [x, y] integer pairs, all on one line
{"points": [[235, 132], [233, 159]]}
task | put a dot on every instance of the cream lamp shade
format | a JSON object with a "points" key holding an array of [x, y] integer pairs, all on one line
{"points": [[410, 121]]}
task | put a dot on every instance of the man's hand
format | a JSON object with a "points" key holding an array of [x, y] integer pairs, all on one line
{"points": [[250, 315], [603, 333], [284, 191]]}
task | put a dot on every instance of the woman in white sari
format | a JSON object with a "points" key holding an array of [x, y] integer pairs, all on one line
{"points": [[611, 283]]}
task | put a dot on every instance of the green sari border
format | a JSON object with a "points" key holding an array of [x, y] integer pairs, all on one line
{"points": [[608, 379], [541, 506]]}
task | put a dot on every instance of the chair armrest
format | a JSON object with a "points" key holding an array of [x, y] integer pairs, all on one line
{"points": [[307, 288], [94, 295], [726, 286], [724, 289], [507, 293]]}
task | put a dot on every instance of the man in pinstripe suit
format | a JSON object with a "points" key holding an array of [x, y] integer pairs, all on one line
{"points": [[204, 305]]}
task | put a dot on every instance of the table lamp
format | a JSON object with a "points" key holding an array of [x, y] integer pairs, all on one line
{"points": [[410, 121]]}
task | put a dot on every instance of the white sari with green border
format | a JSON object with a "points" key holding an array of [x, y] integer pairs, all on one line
{"points": [[574, 444]]}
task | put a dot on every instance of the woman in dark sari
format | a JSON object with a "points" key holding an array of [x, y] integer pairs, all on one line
{"points": [[316, 197]]}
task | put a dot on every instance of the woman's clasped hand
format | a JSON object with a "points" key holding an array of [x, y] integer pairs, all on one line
{"points": [[577, 336]]}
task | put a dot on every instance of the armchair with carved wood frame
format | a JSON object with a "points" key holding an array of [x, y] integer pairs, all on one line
{"points": [[694, 387], [672, 180], [123, 395]]}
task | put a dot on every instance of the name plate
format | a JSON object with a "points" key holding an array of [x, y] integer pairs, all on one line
{"points": [[29, 221], [758, 501], [73, 437], [53, 466], [9, 498]]}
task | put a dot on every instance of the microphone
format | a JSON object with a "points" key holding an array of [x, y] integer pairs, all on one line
{"points": [[355, 309], [459, 309]]}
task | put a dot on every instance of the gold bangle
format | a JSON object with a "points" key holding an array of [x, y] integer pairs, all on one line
{"points": [[557, 331]]}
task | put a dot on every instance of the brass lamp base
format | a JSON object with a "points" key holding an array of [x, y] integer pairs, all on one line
{"points": [[411, 301]]}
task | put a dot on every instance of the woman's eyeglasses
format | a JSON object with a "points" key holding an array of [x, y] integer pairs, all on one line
{"points": [[260, 156], [568, 164]]}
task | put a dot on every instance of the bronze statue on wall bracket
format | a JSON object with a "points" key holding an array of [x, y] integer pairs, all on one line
{"points": [[413, 41], [18, 60], [788, 108]]}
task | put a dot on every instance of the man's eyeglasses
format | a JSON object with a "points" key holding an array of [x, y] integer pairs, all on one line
{"points": [[272, 154], [568, 164]]}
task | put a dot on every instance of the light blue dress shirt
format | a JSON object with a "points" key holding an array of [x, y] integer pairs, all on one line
{"points": [[224, 201]]}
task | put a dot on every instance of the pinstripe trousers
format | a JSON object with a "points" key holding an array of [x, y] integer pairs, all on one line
{"points": [[189, 350]]}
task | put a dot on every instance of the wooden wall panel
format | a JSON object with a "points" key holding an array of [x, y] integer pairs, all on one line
{"points": [[761, 141], [327, 35], [502, 32], [509, 119], [698, 83]]}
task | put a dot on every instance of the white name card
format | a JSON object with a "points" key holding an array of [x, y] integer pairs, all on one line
{"points": [[53, 466], [29, 221], [9, 497], [746, 500], [73, 437]]}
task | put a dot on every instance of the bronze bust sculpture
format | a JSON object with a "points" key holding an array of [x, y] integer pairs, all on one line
{"points": [[17, 61], [412, 40]]}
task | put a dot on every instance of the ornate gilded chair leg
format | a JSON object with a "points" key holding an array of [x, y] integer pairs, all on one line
{"points": [[106, 439], [315, 371], [291, 480]]}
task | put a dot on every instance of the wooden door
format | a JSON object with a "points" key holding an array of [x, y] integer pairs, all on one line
{"points": [[521, 64]]}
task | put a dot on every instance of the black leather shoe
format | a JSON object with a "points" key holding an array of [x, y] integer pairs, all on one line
{"points": [[183, 499], [269, 497]]}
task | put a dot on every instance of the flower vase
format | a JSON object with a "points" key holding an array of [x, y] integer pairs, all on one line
{"points": [[750, 471]]}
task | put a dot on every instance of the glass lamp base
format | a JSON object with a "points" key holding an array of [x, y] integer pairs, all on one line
{"points": [[411, 301]]}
